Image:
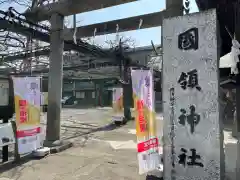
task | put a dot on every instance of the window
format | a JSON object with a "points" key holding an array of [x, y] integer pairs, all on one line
{"points": [[80, 95], [67, 86], [93, 94]]}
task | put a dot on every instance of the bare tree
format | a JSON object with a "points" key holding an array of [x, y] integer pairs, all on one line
{"points": [[125, 42], [24, 3], [12, 42]]}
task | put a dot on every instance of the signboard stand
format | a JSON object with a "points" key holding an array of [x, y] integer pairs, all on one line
{"points": [[193, 136], [27, 106], [118, 109]]}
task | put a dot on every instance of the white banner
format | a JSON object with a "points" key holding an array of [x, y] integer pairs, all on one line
{"points": [[117, 104], [27, 106], [145, 117]]}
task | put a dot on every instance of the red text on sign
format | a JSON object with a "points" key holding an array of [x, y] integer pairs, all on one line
{"points": [[23, 111], [147, 145], [141, 119]]}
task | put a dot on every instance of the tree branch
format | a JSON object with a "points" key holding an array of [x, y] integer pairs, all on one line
{"points": [[9, 45]]}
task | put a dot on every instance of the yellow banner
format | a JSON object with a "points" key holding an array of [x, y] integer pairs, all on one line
{"points": [[145, 119], [26, 113]]}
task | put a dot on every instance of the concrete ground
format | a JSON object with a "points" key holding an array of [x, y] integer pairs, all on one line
{"points": [[100, 151]]}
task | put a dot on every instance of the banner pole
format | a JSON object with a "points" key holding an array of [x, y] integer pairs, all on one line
{"points": [[16, 153]]}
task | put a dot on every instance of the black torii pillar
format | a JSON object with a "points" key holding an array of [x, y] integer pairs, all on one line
{"points": [[127, 91]]}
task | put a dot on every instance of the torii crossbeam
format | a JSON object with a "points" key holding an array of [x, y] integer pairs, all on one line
{"points": [[70, 7]]}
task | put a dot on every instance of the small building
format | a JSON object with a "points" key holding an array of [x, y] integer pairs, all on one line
{"points": [[87, 93]]}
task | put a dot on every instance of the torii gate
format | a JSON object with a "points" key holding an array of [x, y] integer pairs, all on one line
{"points": [[56, 12]]}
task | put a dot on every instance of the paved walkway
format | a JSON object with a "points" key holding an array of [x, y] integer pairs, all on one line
{"points": [[230, 155], [108, 153]]}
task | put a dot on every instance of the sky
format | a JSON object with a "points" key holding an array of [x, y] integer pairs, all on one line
{"points": [[141, 37]]}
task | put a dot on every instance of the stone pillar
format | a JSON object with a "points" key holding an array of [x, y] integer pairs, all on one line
{"points": [[173, 8], [238, 159], [193, 141], [55, 79]]}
